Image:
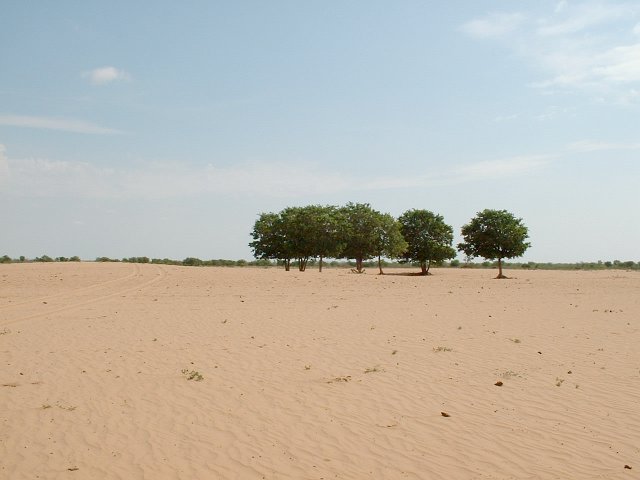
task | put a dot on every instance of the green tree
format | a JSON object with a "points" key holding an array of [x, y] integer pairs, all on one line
{"points": [[360, 234], [429, 238], [327, 225], [389, 241], [495, 235], [270, 239], [192, 262], [297, 225]]}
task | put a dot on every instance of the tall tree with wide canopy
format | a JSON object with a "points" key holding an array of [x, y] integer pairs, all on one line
{"points": [[327, 225], [429, 238], [495, 235], [389, 241], [298, 225], [270, 240], [360, 233]]}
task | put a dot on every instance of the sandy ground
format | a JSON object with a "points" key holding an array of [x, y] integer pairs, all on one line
{"points": [[316, 376]]}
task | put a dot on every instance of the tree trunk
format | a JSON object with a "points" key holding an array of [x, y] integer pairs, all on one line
{"points": [[428, 267], [287, 264], [320, 269], [380, 265], [359, 264], [423, 266], [500, 275], [302, 264]]}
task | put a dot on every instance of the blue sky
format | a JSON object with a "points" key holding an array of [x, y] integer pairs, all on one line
{"points": [[128, 129]]}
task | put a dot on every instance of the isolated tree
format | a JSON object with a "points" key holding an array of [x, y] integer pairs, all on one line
{"points": [[495, 235], [360, 233], [389, 241], [429, 239]]}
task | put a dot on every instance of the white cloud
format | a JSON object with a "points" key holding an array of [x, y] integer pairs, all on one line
{"points": [[551, 112], [492, 169], [619, 65], [561, 6], [54, 123], [506, 118], [584, 146], [573, 51], [105, 75], [581, 17], [636, 29], [154, 180], [493, 25], [4, 167], [598, 71]]}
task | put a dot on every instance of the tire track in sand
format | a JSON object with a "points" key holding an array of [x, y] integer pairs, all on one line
{"points": [[76, 291], [161, 273]]}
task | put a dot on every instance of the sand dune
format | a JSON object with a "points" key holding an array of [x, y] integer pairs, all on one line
{"points": [[316, 376]]}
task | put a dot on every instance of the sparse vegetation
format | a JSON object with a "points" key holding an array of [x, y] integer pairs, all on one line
{"points": [[372, 369], [442, 349], [192, 375]]}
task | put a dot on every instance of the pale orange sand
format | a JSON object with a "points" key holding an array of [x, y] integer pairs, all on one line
{"points": [[317, 376]]}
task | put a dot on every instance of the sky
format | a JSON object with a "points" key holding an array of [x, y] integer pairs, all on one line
{"points": [[164, 129]]}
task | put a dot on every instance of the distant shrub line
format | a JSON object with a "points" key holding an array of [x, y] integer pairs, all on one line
{"points": [[196, 262]]}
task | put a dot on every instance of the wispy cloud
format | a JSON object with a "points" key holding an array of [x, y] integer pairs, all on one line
{"points": [[155, 180], [106, 75], [584, 46], [507, 167], [4, 167], [572, 19], [584, 146], [54, 123], [493, 25]]}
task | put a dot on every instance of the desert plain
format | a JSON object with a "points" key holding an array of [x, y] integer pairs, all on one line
{"points": [[128, 371]]}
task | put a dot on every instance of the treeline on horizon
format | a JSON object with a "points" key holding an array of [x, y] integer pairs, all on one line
{"points": [[196, 262], [357, 233]]}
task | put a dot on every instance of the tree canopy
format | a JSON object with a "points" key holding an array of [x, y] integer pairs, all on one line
{"points": [[361, 238], [299, 233], [357, 232], [429, 239], [495, 235], [354, 231], [389, 241], [270, 239]]}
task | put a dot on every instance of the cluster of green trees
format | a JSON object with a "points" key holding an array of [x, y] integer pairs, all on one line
{"points": [[357, 231]]}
